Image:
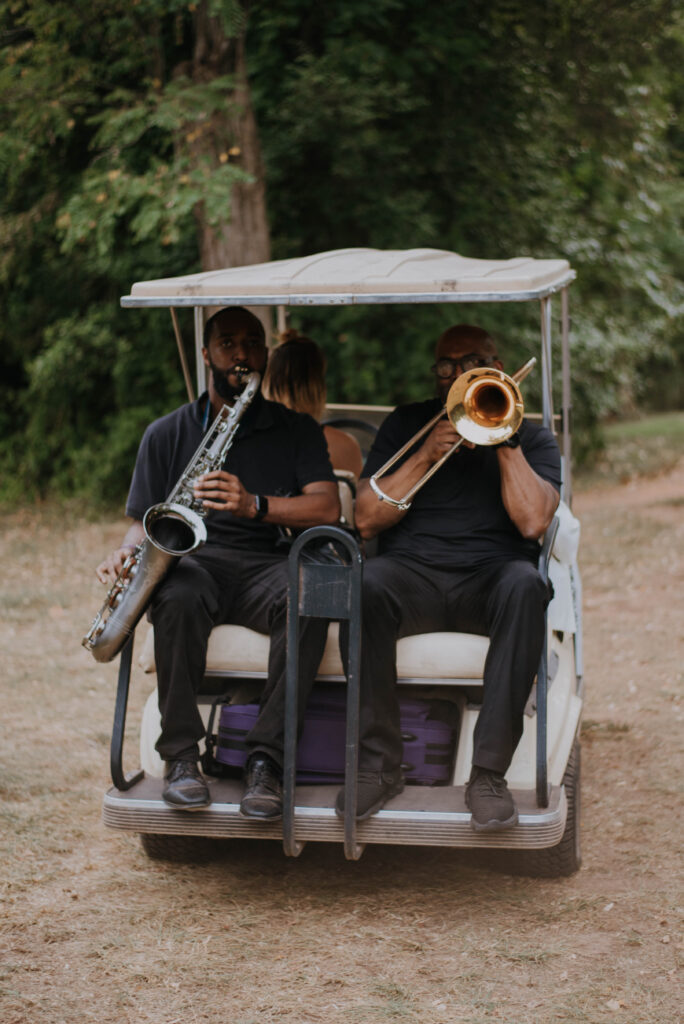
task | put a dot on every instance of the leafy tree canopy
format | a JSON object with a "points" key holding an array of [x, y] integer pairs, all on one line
{"points": [[491, 128]]}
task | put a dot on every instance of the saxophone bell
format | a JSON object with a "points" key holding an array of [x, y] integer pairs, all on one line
{"points": [[174, 529]]}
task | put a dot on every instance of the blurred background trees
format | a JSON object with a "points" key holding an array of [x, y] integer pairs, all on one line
{"points": [[141, 138]]}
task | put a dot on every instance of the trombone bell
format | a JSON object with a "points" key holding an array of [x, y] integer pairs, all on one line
{"points": [[485, 406]]}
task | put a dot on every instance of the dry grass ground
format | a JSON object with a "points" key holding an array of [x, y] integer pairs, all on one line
{"points": [[91, 931]]}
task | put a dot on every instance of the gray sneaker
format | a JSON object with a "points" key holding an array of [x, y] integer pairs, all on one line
{"points": [[373, 791], [489, 800]]}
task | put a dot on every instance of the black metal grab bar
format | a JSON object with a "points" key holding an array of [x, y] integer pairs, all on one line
{"points": [[331, 590], [119, 778]]}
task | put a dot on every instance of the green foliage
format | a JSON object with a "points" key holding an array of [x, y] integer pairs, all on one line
{"points": [[98, 190], [496, 130], [648, 445], [491, 128], [74, 441], [151, 199]]}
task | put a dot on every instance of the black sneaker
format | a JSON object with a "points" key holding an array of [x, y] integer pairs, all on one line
{"points": [[184, 786], [373, 790], [263, 795], [489, 800]]}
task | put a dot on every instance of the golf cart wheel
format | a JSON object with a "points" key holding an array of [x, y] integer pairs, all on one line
{"points": [[179, 849], [566, 857]]}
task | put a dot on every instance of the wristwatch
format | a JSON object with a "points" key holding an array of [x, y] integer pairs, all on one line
{"points": [[261, 503], [511, 442]]}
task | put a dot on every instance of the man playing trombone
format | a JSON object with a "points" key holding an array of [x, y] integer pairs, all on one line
{"points": [[460, 556]]}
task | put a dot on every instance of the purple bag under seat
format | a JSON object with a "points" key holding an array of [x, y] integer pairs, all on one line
{"points": [[429, 741]]}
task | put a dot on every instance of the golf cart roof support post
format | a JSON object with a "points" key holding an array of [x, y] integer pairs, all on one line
{"points": [[181, 352], [281, 319], [547, 387], [542, 784], [566, 398], [200, 368]]}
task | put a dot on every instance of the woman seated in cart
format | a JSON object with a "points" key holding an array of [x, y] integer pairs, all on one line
{"points": [[295, 376]]}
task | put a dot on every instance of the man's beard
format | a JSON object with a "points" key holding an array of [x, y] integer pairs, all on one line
{"points": [[223, 386]]}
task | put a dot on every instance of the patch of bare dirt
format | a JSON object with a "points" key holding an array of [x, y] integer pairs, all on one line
{"points": [[92, 931]]}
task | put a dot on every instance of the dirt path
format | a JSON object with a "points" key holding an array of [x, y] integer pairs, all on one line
{"points": [[91, 931]]}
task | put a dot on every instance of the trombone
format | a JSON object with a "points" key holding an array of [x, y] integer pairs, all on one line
{"points": [[483, 405]]}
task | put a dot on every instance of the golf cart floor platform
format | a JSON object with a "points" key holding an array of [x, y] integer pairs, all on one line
{"points": [[421, 815]]}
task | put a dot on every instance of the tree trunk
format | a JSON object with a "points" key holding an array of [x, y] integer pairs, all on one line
{"points": [[230, 134]]}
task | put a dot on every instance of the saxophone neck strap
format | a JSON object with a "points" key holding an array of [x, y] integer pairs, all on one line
{"points": [[205, 418]]}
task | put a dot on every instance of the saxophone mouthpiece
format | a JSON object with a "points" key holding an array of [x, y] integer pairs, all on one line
{"points": [[241, 372]]}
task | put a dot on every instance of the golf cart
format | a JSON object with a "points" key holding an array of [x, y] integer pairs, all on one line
{"points": [[446, 667]]}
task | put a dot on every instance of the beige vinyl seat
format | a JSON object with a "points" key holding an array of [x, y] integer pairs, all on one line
{"points": [[427, 659]]}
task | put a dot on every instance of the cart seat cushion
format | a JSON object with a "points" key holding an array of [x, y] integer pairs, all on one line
{"points": [[564, 574], [426, 656], [566, 544]]}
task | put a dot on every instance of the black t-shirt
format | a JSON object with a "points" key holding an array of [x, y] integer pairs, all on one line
{"points": [[275, 451], [458, 519]]}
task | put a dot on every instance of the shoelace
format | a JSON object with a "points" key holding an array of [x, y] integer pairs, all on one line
{"points": [[183, 769], [489, 784], [262, 775]]}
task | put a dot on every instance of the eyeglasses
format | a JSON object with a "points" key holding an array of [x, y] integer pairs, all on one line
{"points": [[447, 367]]}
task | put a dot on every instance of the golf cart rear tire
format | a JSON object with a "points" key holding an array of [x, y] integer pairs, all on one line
{"points": [[565, 858], [178, 849]]}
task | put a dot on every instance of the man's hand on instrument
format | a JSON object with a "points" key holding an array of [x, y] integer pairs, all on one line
{"points": [[224, 491], [440, 440], [109, 569]]}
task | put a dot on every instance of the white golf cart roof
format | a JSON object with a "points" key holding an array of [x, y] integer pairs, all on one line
{"points": [[358, 276], [344, 277]]}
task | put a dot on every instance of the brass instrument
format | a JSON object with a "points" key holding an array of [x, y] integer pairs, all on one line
{"points": [[173, 528], [483, 405]]}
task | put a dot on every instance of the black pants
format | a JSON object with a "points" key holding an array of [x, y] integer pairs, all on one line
{"points": [[505, 602], [220, 585]]}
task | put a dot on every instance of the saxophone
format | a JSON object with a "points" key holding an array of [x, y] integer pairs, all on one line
{"points": [[173, 528]]}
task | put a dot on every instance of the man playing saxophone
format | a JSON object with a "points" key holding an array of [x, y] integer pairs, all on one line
{"points": [[276, 474], [461, 557]]}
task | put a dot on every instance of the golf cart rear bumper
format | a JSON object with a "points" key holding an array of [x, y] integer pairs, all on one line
{"points": [[420, 816]]}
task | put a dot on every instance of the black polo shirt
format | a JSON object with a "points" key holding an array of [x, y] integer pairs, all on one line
{"points": [[275, 451], [458, 519]]}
